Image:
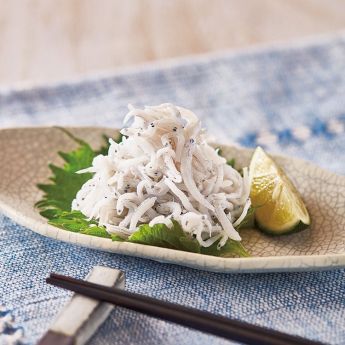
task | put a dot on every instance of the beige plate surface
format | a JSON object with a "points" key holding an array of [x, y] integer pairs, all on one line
{"points": [[26, 152]]}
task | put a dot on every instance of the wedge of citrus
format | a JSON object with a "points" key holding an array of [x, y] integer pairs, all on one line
{"points": [[279, 206]]}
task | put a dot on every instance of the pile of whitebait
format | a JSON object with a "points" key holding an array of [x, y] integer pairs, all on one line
{"points": [[164, 170]]}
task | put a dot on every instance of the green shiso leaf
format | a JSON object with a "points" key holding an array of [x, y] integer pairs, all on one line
{"points": [[117, 238], [65, 183], [230, 249], [74, 221], [160, 235]]}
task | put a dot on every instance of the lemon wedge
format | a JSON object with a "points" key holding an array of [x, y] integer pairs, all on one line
{"points": [[279, 206]]}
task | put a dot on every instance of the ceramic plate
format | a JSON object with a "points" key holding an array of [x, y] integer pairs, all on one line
{"points": [[26, 152]]}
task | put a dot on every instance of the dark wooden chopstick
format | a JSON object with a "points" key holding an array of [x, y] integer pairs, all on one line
{"points": [[200, 320]]}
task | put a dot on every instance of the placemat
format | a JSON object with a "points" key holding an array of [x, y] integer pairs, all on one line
{"points": [[289, 99]]}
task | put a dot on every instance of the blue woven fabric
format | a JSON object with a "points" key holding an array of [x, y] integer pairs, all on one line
{"points": [[290, 100]]}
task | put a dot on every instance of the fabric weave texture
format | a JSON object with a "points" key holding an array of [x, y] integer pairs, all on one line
{"points": [[290, 100]]}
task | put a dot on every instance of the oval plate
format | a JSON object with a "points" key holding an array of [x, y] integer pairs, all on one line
{"points": [[26, 152]]}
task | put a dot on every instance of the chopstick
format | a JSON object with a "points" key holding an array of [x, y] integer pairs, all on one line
{"points": [[189, 317]]}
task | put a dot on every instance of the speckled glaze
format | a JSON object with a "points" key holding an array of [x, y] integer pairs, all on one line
{"points": [[26, 152]]}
